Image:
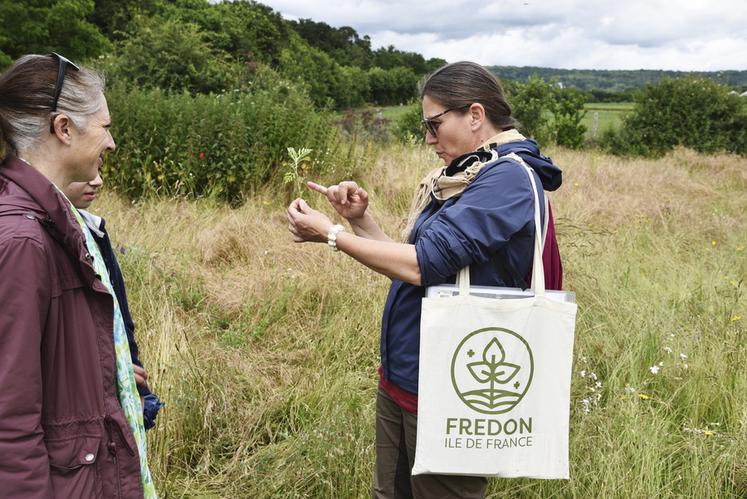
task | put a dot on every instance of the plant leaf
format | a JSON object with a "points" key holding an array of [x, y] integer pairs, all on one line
{"points": [[480, 371], [505, 372], [493, 353]]}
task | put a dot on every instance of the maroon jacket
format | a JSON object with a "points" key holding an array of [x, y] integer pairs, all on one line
{"points": [[63, 433]]}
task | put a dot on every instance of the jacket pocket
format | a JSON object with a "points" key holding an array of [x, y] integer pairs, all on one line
{"points": [[72, 464]]}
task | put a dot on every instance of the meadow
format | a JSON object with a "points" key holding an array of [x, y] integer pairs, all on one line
{"points": [[266, 351], [609, 116]]}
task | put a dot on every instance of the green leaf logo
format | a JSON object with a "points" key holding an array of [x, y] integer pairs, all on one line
{"points": [[484, 385]]}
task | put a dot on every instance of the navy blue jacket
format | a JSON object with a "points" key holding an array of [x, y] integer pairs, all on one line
{"points": [[151, 403], [490, 228]]}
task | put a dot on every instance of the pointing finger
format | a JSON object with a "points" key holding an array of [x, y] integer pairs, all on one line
{"points": [[316, 187]]}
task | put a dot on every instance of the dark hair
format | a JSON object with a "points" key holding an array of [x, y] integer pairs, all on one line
{"points": [[26, 95], [461, 84]]}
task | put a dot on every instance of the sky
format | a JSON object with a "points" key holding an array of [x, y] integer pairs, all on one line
{"points": [[693, 35]]}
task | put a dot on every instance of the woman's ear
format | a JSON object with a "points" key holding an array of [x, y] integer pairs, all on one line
{"points": [[477, 113], [62, 125]]}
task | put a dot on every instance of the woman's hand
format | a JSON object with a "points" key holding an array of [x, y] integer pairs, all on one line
{"points": [[307, 224], [141, 376], [350, 200]]}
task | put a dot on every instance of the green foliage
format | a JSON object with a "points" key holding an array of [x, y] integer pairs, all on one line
{"points": [[408, 127], [173, 55], [297, 168], [531, 101], [342, 44], [114, 17], [392, 86], [314, 69], [248, 31], [222, 145], [568, 114], [42, 27], [690, 112], [616, 84], [547, 112]]}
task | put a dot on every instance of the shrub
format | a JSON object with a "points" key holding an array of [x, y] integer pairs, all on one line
{"points": [[173, 55], [532, 103], [692, 112], [568, 111], [408, 126], [222, 145]]}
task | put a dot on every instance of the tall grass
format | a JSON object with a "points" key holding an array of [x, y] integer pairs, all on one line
{"points": [[265, 351]]}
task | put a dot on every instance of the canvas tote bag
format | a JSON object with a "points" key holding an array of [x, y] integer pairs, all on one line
{"points": [[494, 381]]}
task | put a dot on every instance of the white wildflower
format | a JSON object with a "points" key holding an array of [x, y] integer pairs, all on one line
{"points": [[683, 357], [598, 384], [668, 350], [582, 373], [654, 369], [593, 376]]}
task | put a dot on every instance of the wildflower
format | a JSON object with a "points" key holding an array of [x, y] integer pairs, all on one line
{"points": [[582, 373], [683, 357], [593, 376], [668, 349], [654, 369], [661, 364], [629, 389], [598, 384], [713, 243], [708, 433], [201, 155], [643, 396], [735, 318]]}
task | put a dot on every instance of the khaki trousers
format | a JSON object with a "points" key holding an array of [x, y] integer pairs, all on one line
{"points": [[396, 432]]}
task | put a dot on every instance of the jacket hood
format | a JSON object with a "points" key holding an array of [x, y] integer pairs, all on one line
{"points": [[549, 174]]}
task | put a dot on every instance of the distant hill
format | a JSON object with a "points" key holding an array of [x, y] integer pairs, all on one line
{"points": [[614, 81]]}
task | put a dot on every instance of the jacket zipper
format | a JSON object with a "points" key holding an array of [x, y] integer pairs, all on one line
{"points": [[112, 448]]}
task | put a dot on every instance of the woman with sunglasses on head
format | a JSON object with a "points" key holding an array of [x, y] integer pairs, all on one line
{"points": [[476, 210], [71, 423]]}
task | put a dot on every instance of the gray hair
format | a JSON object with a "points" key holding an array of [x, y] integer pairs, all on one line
{"points": [[26, 94]]}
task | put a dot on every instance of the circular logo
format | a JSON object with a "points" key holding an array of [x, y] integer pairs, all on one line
{"points": [[491, 370]]}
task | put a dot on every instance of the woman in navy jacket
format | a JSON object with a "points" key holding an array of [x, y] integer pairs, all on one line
{"points": [[476, 210]]}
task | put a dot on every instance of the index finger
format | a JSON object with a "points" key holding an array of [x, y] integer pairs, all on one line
{"points": [[316, 187]]}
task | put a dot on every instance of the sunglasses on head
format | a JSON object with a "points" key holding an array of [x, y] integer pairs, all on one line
{"points": [[64, 62], [431, 126]]}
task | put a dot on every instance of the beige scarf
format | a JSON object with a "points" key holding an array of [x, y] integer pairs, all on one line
{"points": [[445, 187]]}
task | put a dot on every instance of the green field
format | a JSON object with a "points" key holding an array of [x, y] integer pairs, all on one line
{"points": [[609, 114], [266, 351]]}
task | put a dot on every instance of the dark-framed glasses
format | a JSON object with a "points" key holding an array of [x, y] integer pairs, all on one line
{"points": [[64, 63], [431, 126]]}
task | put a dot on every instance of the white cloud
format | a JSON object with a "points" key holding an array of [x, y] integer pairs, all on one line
{"points": [[654, 34]]}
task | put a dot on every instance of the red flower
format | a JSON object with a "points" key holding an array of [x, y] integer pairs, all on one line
{"points": [[201, 155]]}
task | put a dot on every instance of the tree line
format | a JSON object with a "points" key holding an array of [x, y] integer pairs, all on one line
{"points": [[605, 85], [202, 47]]}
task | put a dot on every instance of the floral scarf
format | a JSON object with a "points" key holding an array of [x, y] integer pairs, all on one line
{"points": [[127, 392]]}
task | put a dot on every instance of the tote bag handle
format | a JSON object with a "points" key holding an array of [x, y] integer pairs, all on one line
{"points": [[538, 271]]}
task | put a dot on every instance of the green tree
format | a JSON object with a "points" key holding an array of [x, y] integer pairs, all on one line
{"points": [[568, 112], [392, 86], [41, 27], [173, 55], [692, 112], [532, 104]]}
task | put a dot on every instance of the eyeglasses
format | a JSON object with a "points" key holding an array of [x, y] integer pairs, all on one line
{"points": [[432, 126], [64, 63]]}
